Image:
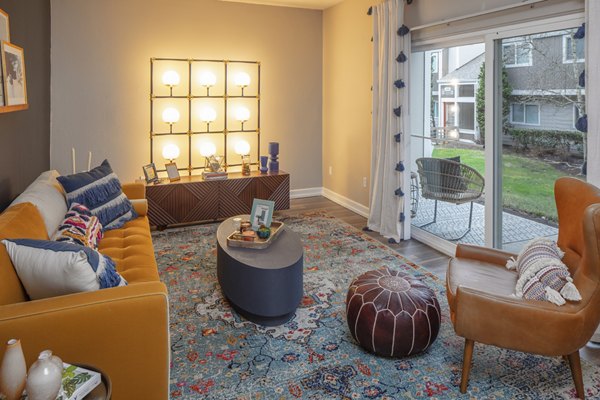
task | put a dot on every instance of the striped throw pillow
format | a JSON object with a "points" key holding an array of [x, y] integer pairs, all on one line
{"points": [[99, 190]]}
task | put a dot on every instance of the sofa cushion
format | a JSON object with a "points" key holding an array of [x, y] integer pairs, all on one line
{"points": [[131, 249], [19, 221], [100, 190], [47, 195], [79, 227], [48, 268]]}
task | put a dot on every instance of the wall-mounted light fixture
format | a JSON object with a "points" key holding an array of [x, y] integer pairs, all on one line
{"points": [[171, 79], [242, 114], [208, 80], [242, 80], [170, 116], [208, 115], [171, 152]]}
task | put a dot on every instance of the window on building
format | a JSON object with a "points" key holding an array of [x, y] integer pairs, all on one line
{"points": [[466, 91], [526, 114], [571, 53], [466, 116], [517, 54]]}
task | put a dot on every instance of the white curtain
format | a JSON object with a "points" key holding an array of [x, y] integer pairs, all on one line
{"points": [[592, 90], [388, 207]]}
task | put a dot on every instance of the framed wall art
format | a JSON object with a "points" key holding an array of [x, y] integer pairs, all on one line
{"points": [[13, 72], [4, 26]]}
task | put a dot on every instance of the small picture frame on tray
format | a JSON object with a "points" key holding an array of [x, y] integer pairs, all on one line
{"points": [[262, 213], [150, 173], [172, 171]]}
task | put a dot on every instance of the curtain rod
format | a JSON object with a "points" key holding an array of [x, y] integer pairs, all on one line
{"points": [[478, 14]]}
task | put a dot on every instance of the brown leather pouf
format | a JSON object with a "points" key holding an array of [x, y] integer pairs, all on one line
{"points": [[392, 313]]}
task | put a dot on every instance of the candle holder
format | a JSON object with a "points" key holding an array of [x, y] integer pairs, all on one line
{"points": [[263, 164], [274, 152], [246, 165]]}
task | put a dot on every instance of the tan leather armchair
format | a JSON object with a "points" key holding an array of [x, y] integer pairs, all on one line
{"points": [[480, 288]]}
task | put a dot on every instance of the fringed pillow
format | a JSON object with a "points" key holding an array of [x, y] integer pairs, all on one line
{"points": [[99, 190], [542, 274], [79, 227], [47, 268]]}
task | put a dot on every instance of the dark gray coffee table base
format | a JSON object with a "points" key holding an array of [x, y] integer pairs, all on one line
{"points": [[264, 286]]}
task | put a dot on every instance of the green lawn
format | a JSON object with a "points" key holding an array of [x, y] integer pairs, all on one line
{"points": [[528, 183]]}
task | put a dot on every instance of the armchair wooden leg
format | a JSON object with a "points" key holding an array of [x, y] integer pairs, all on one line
{"points": [[575, 364], [467, 357]]}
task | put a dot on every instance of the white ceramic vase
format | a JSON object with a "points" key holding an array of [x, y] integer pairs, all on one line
{"points": [[13, 371], [44, 378]]}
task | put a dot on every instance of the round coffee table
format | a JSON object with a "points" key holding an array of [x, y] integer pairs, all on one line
{"points": [[264, 286]]}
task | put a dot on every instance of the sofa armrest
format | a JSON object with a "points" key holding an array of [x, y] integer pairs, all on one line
{"points": [[135, 190], [124, 331], [140, 206]]}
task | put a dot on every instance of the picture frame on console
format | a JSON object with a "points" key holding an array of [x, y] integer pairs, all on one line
{"points": [[262, 213], [4, 26], [13, 72], [150, 173], [172, 171]]}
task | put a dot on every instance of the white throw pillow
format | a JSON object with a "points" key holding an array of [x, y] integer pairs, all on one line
{"points": [[47, 268], [46, 194]]}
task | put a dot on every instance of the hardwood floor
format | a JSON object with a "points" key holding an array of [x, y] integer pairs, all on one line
{"points": [[415, 251]]}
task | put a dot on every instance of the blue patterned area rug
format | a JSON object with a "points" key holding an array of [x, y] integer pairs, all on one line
{"points": [[216, 354]]}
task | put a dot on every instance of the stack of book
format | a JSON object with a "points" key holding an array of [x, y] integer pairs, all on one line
{"points": [[77, 382], [211, 176]]}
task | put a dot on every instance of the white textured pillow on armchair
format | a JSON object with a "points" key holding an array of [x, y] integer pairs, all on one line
{"points": [[47, 268], [542, 274]]}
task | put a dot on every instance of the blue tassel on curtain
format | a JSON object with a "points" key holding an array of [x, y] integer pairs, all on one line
{"points": [[582, 78], [401, 57], [402, 217], [399, 83], [398, 111], [403, 30], [581, 123], [580, 34], [399, 192], [398, 137], [400, 167]]}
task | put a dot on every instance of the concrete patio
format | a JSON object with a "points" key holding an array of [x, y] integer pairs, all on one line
{"points": [[453, 221]]}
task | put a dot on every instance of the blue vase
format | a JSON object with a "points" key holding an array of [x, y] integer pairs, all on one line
{"points": [[263, 164], [274, 152]]}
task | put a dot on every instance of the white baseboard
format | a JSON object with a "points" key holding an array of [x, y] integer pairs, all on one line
{"points": [[443, 246], [307, 192], [346, 202]]}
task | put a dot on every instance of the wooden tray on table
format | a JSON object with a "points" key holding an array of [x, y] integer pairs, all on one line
{"points": [[235, 239]]}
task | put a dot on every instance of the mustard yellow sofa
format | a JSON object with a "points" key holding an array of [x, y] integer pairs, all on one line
{"points": [[124, 331]]}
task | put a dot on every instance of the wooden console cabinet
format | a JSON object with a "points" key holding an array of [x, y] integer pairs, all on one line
{"points": [[193, 199]]}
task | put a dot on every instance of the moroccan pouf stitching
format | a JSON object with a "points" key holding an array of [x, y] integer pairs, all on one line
{"points": [[391, 313]]}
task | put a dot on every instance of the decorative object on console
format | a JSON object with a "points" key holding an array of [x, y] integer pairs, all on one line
{"points": [[48, 269], [45, 377], [13, 371], [392, 313], [542, 274], [232, 96], [274, 152], [213, 165], [150, 173], [13, 71], [263, 164], [242, 148], [262, 213], [100, 191]]}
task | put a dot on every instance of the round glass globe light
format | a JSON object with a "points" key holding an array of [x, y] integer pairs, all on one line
{"points": [[170, 115], [170, 151], [208, 114], [207, 79], [208, 149], [170, 78], [242, 79], [242, 148], [242, 114]]}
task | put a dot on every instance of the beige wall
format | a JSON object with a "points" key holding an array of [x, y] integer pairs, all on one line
{"points": [[347, 52], [101, 52]]}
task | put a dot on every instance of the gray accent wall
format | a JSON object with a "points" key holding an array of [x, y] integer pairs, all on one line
{"points": [[25, 135]]}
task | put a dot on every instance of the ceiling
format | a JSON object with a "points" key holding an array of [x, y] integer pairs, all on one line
{"points": [[312, 4]]}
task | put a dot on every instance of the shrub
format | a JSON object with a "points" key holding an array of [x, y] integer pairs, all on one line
{"points": [[543, 141]]}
